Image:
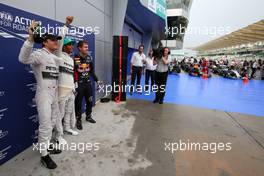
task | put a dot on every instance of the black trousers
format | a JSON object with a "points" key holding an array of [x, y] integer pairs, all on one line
{"points": [[136, 73], [150, 74], [253, 72], [161, 81], [84, 90]]}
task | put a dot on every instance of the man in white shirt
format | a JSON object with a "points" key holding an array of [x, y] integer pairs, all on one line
{"points": [[151, 66], [137, 61]]}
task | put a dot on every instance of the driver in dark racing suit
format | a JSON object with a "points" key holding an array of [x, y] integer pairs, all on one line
{"points": [[83, 72]]}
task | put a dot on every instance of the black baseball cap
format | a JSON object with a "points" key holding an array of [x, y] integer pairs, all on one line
{"points": [[47, 36]]}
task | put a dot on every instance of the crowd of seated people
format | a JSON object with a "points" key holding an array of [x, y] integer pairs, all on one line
{"points": [[236, 68], [196, 67]]}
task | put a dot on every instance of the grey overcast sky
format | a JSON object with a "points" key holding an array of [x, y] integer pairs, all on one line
{"points": [[230, 14]]}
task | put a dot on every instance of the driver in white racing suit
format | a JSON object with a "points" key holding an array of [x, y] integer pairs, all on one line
{"points": [[44, 63], [66, 82]]}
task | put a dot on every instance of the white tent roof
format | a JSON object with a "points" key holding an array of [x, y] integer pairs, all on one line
{"points": [[250, 34]]}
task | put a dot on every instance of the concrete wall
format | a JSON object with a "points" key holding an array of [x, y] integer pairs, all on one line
{"points": [[119, 13], [94, 13], [134, 38]]}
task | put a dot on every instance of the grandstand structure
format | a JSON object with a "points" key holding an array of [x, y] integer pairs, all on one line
{"points": [[247, 40]]}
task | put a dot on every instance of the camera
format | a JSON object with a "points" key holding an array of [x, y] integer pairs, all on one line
{"points": [[157, 53]]}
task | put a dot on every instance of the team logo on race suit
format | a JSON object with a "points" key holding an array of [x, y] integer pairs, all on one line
{"points": [[3, 134], [77, 61], [3, 152], [83, 68]]}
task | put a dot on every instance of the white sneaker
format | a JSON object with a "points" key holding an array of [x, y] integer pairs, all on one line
{"points": [[71, 132], [62, 141]]}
